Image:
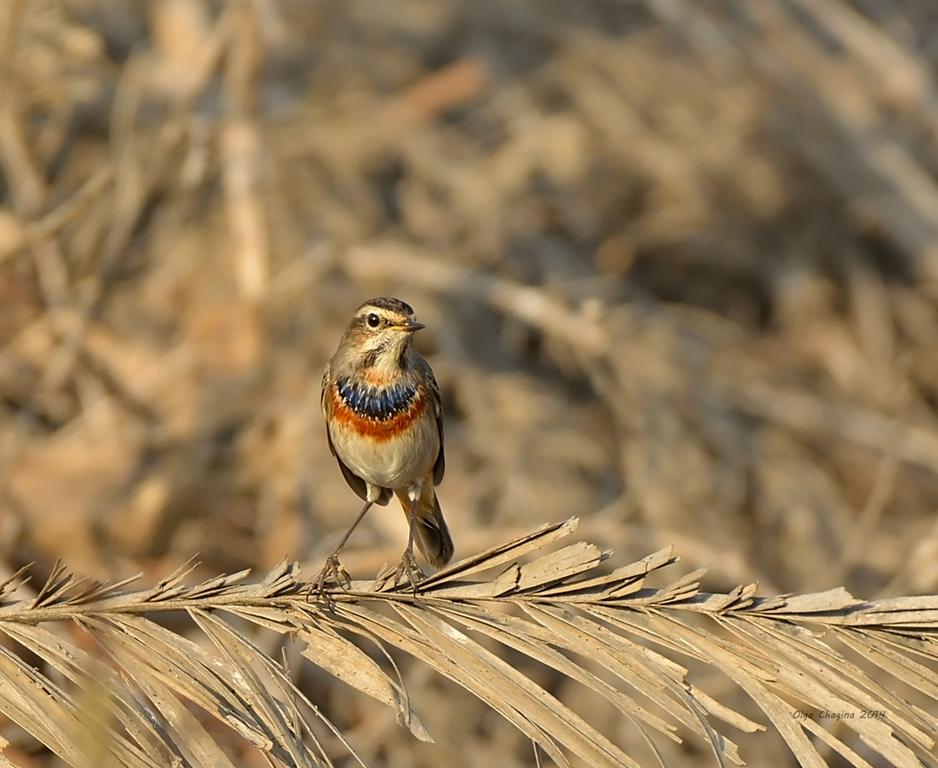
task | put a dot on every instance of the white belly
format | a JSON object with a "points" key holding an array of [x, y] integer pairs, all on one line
{"points": [[394, 463]]}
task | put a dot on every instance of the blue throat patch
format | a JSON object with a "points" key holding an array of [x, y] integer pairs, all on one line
{"points": [[379, 403]]}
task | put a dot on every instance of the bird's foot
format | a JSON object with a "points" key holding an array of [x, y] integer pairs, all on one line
{"points": [[332, 571], [392, 577]]}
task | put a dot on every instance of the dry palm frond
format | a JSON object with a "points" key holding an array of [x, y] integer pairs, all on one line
{"points": [[792, 655]]}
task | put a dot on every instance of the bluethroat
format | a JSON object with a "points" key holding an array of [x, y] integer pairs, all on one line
{"points": [[384, 423]]}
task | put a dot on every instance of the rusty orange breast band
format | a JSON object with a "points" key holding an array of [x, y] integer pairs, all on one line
{"points": [[374, 428]]}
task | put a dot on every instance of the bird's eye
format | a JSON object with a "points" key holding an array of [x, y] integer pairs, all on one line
{"points": [[373, 320]]}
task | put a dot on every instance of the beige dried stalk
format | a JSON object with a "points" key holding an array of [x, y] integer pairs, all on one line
{"points": [[135, 701]]}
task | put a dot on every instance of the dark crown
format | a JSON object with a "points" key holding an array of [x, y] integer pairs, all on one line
{"points": [[389, 303]]}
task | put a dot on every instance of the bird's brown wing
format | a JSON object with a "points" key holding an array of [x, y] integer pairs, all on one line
{"points": [[325, 401], [439, 466]]}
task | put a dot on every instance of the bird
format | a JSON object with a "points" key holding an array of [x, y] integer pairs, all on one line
{"points": [[384, 423]]}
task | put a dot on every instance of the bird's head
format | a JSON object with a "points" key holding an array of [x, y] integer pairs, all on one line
{"points": [[379, 335]]}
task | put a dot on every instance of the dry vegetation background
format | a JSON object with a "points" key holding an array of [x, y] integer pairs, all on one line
{"points": [[678, 263]]}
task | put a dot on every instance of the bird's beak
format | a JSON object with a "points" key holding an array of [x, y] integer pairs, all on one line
{"points": [[410, 326]]}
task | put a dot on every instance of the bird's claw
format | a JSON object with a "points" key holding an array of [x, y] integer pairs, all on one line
{"points": [[332, 570], [392, 576]]}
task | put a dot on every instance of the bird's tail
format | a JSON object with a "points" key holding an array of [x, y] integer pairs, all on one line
{"points": [[431, 533]]}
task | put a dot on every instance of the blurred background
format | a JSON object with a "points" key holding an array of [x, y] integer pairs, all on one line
{"points": [[678, 263]]}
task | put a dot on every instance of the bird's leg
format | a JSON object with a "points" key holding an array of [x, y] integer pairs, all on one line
{"points": [[408, 566], [332, 568]]}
